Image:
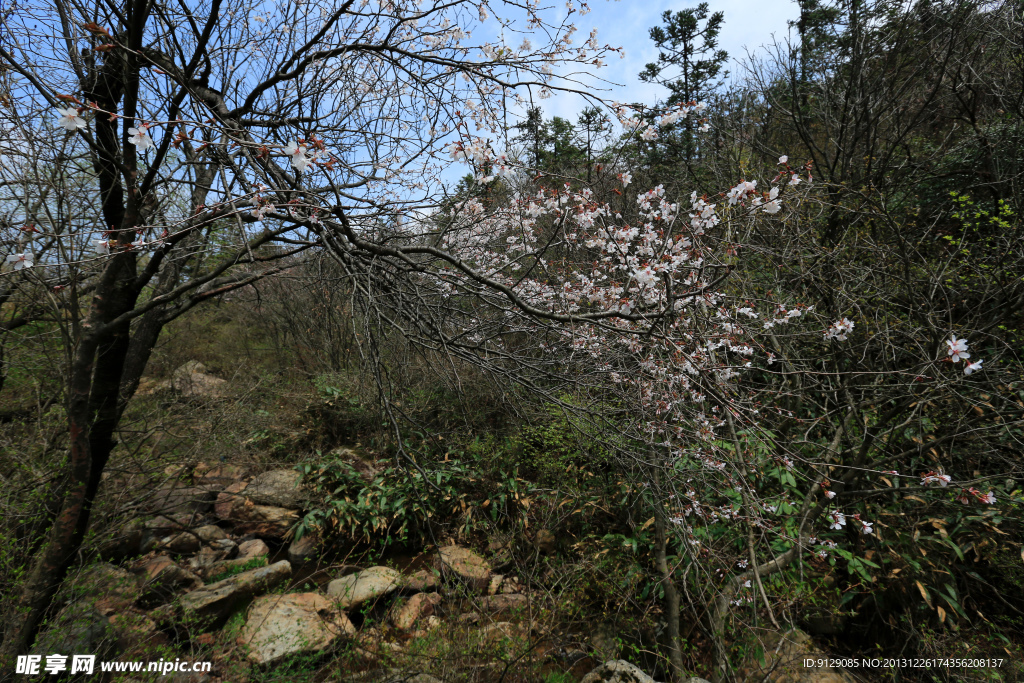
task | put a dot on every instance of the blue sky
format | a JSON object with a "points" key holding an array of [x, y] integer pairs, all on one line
{"points": [[626, 23]]}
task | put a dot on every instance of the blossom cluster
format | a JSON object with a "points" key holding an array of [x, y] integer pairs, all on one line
{"points": [[957, 349]]}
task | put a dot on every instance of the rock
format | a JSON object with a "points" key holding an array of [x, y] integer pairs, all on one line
{"points": [[304, 549], [204, 559], [218, 600], [228, 499], [280, 626], [469, 618], [368, 584], [125, 543], [370, 646], [504, 603], [498, 631], [226, 546], [498, 545], [150, 385], [365, 470], [784, 654], [466, 564], [210, 533], [254, 548], [183, 543], [219, 475], [265, 520], [217, 568], [422, 581], [136, 633], [193, 381], [544, 541], [178, 499], [421, 678], [512, 585], [165, 523], [162, 579], [604, 639], [78, 628], [277, 488], [411, 678], [617, 671], [499, 551], [495, 584], [117, 586], [419, 605]]}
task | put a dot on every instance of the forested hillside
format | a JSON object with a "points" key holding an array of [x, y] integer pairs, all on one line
{"points": [[727, 384]]}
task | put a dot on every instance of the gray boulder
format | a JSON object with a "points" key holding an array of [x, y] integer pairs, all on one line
{"points": [[264, 520], [617, 671], [280, 626], [78, 628], [422, 581], [219, 600], [304, 549], [176, 500], [210, 533], [253, 548], [277, 488], [192, 380], [416, 607], [508, 602], [466, 565], [162, 579], [368, 584]]}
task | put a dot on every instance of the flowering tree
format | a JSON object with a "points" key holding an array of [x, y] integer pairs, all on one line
{"points": [[272, 130], [684, 362], [158, 155]]}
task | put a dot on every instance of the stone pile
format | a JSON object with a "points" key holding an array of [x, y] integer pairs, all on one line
{"points": [[204, 556]]}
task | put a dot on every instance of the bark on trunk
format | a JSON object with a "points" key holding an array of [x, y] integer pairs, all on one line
{"points": [[675, 652]]}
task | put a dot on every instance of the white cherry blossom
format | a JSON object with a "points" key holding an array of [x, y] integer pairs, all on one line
{"points": [[838, 520], [839, 330], [933, 478], [140, 138], [21, 261], [298, 156], [70, 120], [957, 348]]}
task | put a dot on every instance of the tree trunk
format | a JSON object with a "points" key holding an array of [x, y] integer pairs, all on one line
{"points": [[675, 653]]}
